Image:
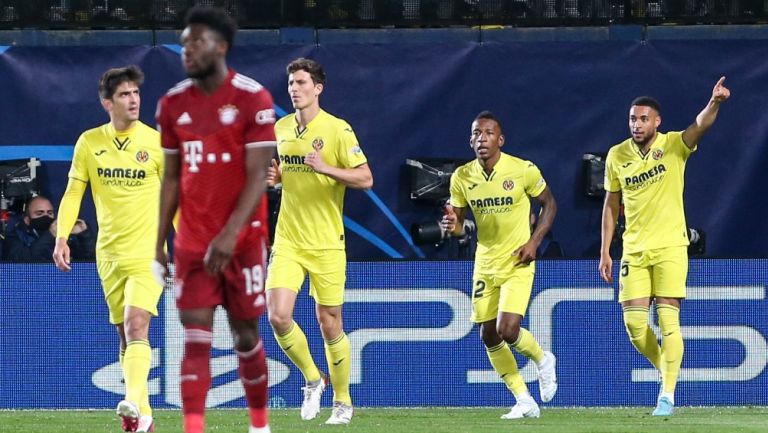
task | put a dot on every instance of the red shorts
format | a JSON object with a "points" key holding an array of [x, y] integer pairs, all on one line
{"points": [[239, 289]]}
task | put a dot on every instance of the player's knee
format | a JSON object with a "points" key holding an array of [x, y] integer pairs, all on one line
{"points": [[669, 320], [330, 328], [636, 323], [245, 341], [280, 322], [509, 332], [135, 328], [489, 335]]}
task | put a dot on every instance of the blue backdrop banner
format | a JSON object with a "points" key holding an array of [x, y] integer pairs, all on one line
{"points": [[412, 342], [557, 100]]}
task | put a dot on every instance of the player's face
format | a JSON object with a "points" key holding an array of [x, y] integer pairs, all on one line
{"points": [[486, 139], [201, 50], [302, 90], [125, 103], [643, 122]]}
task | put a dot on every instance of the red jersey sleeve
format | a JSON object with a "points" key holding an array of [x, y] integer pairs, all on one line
{"points": [[260, 125], [168, 138]]}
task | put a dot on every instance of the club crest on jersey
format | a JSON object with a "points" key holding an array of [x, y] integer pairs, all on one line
{"points": [[142, 156], [657, 154], [227, 114], [508, 185], [317, 143]]}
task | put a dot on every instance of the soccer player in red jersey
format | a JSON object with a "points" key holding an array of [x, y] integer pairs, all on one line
{"points": [[217, 133]]}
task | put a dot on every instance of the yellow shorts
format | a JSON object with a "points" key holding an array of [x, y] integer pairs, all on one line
{"points": [[647, 274], [509, 294], [128, 282], [326, 269]]}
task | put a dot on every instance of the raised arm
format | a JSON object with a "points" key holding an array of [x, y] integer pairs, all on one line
{"points": [[608, 227], [707, 116]]}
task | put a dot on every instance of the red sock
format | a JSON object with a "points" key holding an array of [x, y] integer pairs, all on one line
{"points": [[194, 423], [195, 379], [253, 375]]}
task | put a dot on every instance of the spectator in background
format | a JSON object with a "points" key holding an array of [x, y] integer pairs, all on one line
{"points": [[33, 238]]}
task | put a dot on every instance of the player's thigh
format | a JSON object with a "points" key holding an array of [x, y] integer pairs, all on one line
{"points": [[485, 298], [141, 288], [193, 286], [327, 276], [285, 270], [244, 285], [670, 272], [634, 277], [515, 290], [113, 283]]}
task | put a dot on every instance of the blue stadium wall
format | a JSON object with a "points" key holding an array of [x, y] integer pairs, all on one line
{"points": [[412, 342], [410, 97]]}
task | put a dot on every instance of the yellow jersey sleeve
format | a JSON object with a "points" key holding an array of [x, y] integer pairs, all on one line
{"points": [[457, 191], [611, 180], [79, 168], [350, 155], [69, 207], [534, 182]]}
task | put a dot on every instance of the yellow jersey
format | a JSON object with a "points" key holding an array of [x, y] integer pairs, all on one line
{"points": [[651, 188], [125, 169], [312, 204], [500, 202]]}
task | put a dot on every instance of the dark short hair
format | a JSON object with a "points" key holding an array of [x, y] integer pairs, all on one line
{"points": [[216, 19], [117, 76], [309, 66], [29, 203], [485, 114], [647, 101]]}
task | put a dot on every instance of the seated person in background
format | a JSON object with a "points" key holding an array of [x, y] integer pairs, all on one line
{"points": [[32, 239]]}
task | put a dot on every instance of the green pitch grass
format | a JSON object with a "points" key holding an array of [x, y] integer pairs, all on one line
{"points": [[421, 420]]}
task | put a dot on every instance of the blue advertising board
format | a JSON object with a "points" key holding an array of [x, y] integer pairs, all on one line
{"points": [[412, 342]]}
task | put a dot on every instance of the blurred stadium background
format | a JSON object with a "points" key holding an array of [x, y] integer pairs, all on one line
{"points": [[409, 75]]}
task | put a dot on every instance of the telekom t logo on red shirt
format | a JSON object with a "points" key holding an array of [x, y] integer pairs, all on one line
{"points": [[193, 154]]}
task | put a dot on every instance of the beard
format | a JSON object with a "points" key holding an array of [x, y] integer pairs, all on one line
{"points": [[644, 141], [202, 73]]}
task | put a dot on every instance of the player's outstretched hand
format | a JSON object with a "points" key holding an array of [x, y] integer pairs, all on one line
{"points": [[605, 268], [448, 223], [61, 255], [273, 174], [720, 93], [219, 253]]}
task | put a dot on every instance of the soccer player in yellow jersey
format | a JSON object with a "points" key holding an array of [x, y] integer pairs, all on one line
{"points": [[498, 188], [319, 157], [123, 162], [647, 171]]}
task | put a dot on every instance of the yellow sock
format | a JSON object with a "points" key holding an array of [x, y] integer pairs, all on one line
{"points": [[137, 361], [144, 407], [671, 345], [641, 335], [503, 361], [295, 346], [337, 353], [527, 346]]}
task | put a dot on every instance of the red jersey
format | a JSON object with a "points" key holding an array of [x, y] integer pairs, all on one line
{"points": [[211, 134]]}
